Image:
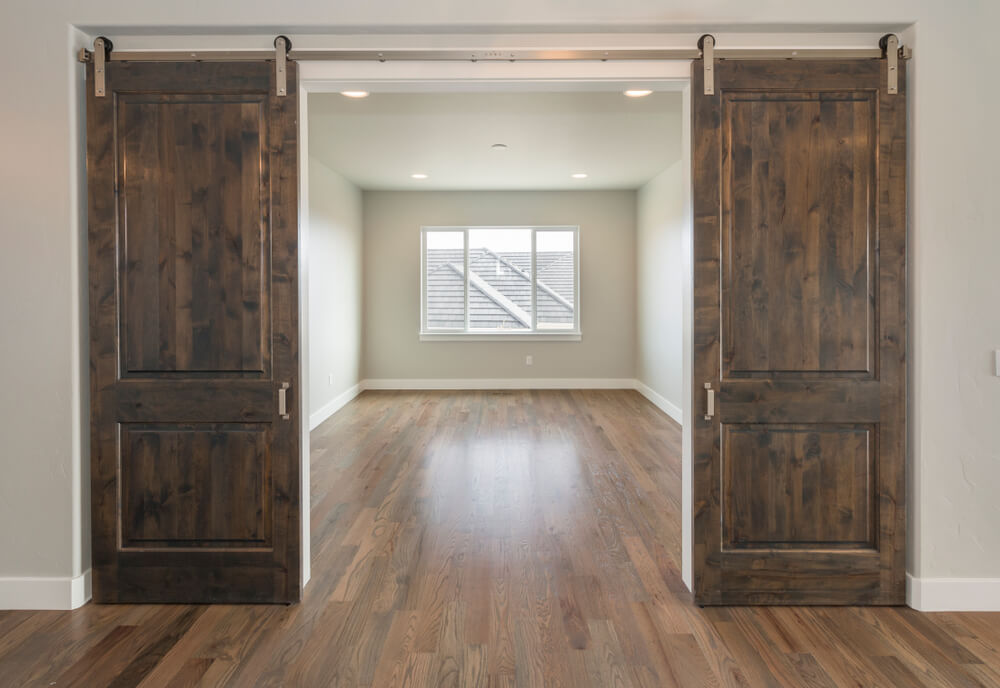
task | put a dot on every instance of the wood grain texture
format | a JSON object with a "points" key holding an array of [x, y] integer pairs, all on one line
{"points": [[799, 322], [798, 268], [194, 233], [196, 485], [797, 485], [497, 539], [192, 189]]}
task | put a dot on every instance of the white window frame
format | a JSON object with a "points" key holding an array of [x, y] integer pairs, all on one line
{"points": [[467, 334]]}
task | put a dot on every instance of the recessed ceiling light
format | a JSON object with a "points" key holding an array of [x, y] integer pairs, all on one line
{"points": [[499, 146], [580, 175], [637, 92], [419, 175], [355, 94]]}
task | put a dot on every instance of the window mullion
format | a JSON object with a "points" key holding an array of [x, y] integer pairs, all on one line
{"points": [[534, 286], [468, 307], [576, 279], [423, 279]]}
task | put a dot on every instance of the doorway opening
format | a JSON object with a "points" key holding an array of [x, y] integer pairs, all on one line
{"points": [[500, 167]]}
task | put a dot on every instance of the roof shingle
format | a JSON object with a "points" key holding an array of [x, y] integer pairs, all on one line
{"points": [[499, 290]]}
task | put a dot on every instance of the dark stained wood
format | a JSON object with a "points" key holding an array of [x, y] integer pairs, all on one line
{"points": [[193, 227], [197, 485], [708, 219], [245, 400], [798, 268], [797, 401], [194, 292], [497, 539], [799, 325], [820, 498]]}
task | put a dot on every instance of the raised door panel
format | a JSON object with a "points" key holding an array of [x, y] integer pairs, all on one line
{"points": [[196, 485], [193, 238], [797, 486], [193, 179], [798, 252], [799, 244]]}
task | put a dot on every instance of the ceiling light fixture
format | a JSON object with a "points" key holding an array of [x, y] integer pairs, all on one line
{"points": [[637, 92], [354, 94], [419, 175], [579, 175]]}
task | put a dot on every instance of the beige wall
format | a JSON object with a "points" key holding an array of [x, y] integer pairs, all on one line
{"points": [[392, 285], [954, 395], [660, 285], [334, 264]]}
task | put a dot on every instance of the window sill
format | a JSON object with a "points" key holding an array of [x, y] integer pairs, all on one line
{"points": [[500, 336]]}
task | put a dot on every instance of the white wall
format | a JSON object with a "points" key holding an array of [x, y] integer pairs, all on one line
{"points": [[660, 285], [392, 285], [954, 283], [335, 243], [955, 439]]}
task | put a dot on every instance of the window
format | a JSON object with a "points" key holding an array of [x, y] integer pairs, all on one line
{"points": [[500, 282]]}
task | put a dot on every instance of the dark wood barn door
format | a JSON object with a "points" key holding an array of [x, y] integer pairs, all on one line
{"points": [[799, 329], [191, 171]]}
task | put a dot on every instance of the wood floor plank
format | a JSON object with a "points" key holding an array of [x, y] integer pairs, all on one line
{"points": [[190, 674], [929, 662], [810, 673], [842, 663], [151, 655], [398, 644], [605, 660], [474, 667], [479, 539]]}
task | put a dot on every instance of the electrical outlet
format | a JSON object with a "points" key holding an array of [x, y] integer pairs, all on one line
{"points": [[329, 380], [529, 359]]}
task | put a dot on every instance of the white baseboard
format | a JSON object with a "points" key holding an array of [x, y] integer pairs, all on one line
{"points": [[660, 401], [334, 405], [45, 593], [657, 399], [953, 594], [501, 383]]}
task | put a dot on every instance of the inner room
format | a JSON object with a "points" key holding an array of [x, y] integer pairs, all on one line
{"points": [[479, 449], [399, 183], [478, 344]]}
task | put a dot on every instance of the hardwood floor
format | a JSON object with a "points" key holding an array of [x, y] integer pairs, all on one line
{"points": [[497, 539]]}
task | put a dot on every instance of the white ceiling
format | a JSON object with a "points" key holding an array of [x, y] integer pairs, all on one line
{"points": [[379, 141]]}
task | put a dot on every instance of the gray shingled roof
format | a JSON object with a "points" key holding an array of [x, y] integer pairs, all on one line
{"points": [[499, 289]]}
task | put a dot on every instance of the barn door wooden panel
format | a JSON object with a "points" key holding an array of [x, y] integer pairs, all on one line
{"points": [[799, 249], [193, 333]]}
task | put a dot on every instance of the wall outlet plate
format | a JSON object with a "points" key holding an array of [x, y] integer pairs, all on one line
{"points": [[529, 359]]}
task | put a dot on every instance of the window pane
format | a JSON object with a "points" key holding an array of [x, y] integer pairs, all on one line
{"points": [[445, 270], [500, 279], [555, 261]]}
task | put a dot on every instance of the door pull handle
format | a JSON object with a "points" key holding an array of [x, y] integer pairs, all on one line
{"points": [[283, 401], [709, 401]]}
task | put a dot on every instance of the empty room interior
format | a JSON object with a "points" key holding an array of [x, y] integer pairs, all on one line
{"points": [[624, 344], [565, 208], [497, 439]]}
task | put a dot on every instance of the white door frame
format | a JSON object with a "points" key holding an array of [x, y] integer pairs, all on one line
{"points": [[332, 76], [417, 76]]}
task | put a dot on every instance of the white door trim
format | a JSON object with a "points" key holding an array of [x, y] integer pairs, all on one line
{"points": [[333, 77]]}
